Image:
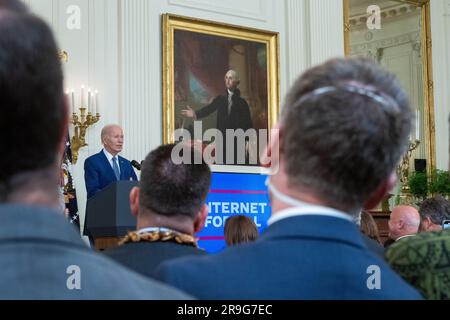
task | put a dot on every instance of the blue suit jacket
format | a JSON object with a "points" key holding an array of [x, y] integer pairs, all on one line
{"points": [[302, 257], [98, 173], [37, 249]]}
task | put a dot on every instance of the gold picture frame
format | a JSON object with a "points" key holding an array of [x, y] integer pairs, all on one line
{"points": [[427, 74], [196, 56]]}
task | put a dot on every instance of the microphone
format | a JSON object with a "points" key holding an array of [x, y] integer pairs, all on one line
{"points": [[136, 164]]}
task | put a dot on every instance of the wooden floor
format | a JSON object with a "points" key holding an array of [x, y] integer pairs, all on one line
{"points": [[105, 243]]}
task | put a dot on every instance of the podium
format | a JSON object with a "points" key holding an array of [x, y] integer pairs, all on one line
{"points": [[108, 215]]}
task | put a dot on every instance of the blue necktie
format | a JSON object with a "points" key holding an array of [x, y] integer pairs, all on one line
{"points": [[116, 168]]}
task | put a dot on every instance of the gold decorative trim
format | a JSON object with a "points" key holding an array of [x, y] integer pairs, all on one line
{"points": [[346, 27], [155, 236], [429, 90], [418, 3], [63, 56]]}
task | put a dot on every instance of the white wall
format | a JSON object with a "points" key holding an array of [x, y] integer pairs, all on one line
{"points": [[93, 62], [118, 51]]}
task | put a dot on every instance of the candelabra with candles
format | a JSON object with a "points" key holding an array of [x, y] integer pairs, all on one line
{"points": [[88, 115], [403, 168], [403, 173]]}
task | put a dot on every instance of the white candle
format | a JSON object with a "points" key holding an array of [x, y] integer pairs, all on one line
{"points": [[73, 102], [67, 94], [97, 107], [82, 97], [92, 103], [89, 106]]}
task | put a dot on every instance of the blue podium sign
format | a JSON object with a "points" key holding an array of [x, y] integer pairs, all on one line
{"points": [[233, 194]]}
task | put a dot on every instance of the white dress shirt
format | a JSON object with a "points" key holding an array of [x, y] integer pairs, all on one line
{"points": [[230, 101], [309, 210]]}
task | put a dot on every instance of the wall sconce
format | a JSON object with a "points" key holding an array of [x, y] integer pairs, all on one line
{"points": [[82, 121], [63, 56]]}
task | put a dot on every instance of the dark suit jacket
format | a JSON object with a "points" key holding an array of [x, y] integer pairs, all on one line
{"points": [[239, 117], [388, 242], [145, 257], [373, 246], [37, 246], [302, 257], [98, 173]]}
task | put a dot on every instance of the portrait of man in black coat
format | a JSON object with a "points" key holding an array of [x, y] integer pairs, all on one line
{"points": [[232, 110]]}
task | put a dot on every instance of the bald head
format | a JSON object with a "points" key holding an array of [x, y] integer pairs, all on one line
{"points": [[112, 138], [404, 220]]}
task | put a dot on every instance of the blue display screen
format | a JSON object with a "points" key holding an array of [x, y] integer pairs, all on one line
{"points": [[233, 194]]}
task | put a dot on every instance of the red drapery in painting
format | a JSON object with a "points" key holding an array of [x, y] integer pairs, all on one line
{"points": [[204, 57]]}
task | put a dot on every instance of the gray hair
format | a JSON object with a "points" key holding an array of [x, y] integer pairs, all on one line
{"points": [[106, 129], [436, 208], [345, 125]]}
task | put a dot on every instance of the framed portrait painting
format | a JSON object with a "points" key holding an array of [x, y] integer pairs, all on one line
{"points": [[220, 89]]}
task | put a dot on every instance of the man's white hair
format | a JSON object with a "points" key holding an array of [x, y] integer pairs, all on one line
{"points": [[234, 74]]}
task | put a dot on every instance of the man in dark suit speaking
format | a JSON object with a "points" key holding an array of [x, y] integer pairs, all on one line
{"points": [[106, 167]]}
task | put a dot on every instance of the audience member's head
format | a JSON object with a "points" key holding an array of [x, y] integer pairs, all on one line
{"points": [[369, 227], [342, 131], [404, 221], [433, 212], [171, 195], [240, 229], [13, 5], [33, 114]]}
